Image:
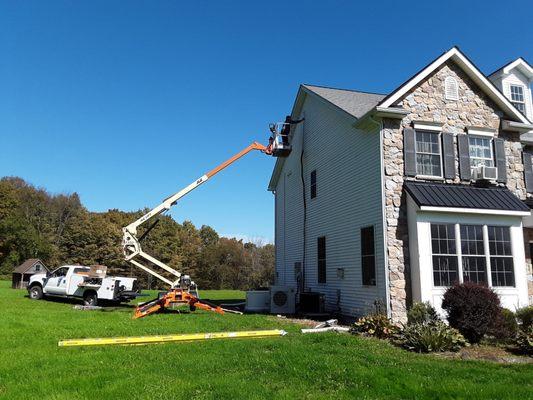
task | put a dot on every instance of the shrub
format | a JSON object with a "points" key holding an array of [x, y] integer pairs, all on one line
{"points": [[472, 309], [524, 340], [505, 325], [429, 337], [525, 317], [377, 325], [422, 313]]}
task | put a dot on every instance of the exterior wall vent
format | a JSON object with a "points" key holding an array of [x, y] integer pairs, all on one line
{"points": [[451, 88]]}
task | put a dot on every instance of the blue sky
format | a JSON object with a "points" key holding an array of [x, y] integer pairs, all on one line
{"points": [[126, 102]]}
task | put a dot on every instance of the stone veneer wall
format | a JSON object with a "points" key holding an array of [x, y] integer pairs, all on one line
{"points": [[426, 102]]}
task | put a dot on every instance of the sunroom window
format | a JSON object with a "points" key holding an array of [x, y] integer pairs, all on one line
{"points": [[480, 254], [428, 154], [445, 271], [473, 254], [501, 256]]}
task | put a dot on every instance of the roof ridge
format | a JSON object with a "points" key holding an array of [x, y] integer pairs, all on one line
{"points": [[347, 90]]}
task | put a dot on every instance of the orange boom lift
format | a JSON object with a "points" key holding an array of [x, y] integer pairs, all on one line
{"points": [[183, 290]]}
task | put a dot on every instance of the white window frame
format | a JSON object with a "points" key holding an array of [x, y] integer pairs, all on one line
{"points": [[373, 255], [438, 132], [523, 101], [486, 248], [490, 256], [456, 254], [488, 137]]}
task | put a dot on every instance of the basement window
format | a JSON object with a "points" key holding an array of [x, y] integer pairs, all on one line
{"points": [[313, 184]]}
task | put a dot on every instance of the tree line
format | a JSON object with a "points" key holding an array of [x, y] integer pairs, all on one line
{"points": [[59, 230]]}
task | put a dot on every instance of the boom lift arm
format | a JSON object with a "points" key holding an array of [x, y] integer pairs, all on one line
{"points": [[181, 288], [131, 244]]}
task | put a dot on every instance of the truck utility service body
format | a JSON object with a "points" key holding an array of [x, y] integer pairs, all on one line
{"points": [[88, 283]]}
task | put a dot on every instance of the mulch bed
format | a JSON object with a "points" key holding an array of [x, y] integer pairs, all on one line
{"points": [[500, 354]]}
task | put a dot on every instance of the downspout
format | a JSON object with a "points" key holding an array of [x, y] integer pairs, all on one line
{"points": [[304, 237], [384, 219]]}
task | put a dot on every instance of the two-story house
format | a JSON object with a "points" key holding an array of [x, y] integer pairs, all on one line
{"points": [[395, 197]]}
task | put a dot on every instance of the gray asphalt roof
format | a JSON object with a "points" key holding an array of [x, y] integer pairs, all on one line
{"points": [[353, 102], [463, 196]]}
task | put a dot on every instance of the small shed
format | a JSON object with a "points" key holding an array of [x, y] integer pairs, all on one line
{"points": [[22, 274]]}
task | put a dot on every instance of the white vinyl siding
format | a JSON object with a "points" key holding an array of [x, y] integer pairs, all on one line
{"points": [[516, 78], [347, 162]]}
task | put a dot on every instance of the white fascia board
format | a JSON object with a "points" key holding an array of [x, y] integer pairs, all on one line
{"points": [[380, 112], [516, 126], [389, 112], [521, 64], [470, 69], [418, 78], [275, 174], [458, 210], [527, 138], [296, 108]]}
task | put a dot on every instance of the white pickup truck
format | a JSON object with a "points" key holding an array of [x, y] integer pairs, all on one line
{"points": [[88, 283]]}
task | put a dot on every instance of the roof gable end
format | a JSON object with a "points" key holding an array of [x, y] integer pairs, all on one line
{"points": [[470, 69]]}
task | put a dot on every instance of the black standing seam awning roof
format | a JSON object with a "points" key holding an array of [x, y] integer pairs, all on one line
{"points": [[463, 196]]}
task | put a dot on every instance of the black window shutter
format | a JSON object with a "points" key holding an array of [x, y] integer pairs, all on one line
{"points": [[409, 151], [464, 157], [499, 150], [448, 153], [528, 171]]}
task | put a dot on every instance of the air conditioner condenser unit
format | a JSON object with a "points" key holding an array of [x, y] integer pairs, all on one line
{"points": [[282, 300]]}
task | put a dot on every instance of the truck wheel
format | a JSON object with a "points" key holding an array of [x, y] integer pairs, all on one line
{"points": [[36, 292], [90, 299]]}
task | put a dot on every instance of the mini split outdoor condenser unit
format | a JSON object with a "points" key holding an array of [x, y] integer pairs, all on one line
{"points": [[282, 300], [484, 173]]}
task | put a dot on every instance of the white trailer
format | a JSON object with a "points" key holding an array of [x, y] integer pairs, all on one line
{"points": [[88, 283]]}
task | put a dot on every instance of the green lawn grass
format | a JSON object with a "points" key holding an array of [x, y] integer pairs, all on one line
{"points": [[293, 367]]}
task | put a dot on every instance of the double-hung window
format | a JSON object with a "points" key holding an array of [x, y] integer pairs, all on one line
{"points": [[481, 152], [518, 98], [443, 244], [428, 154], [501, 257], [368, 256], [472, 253], [321, 259]]}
